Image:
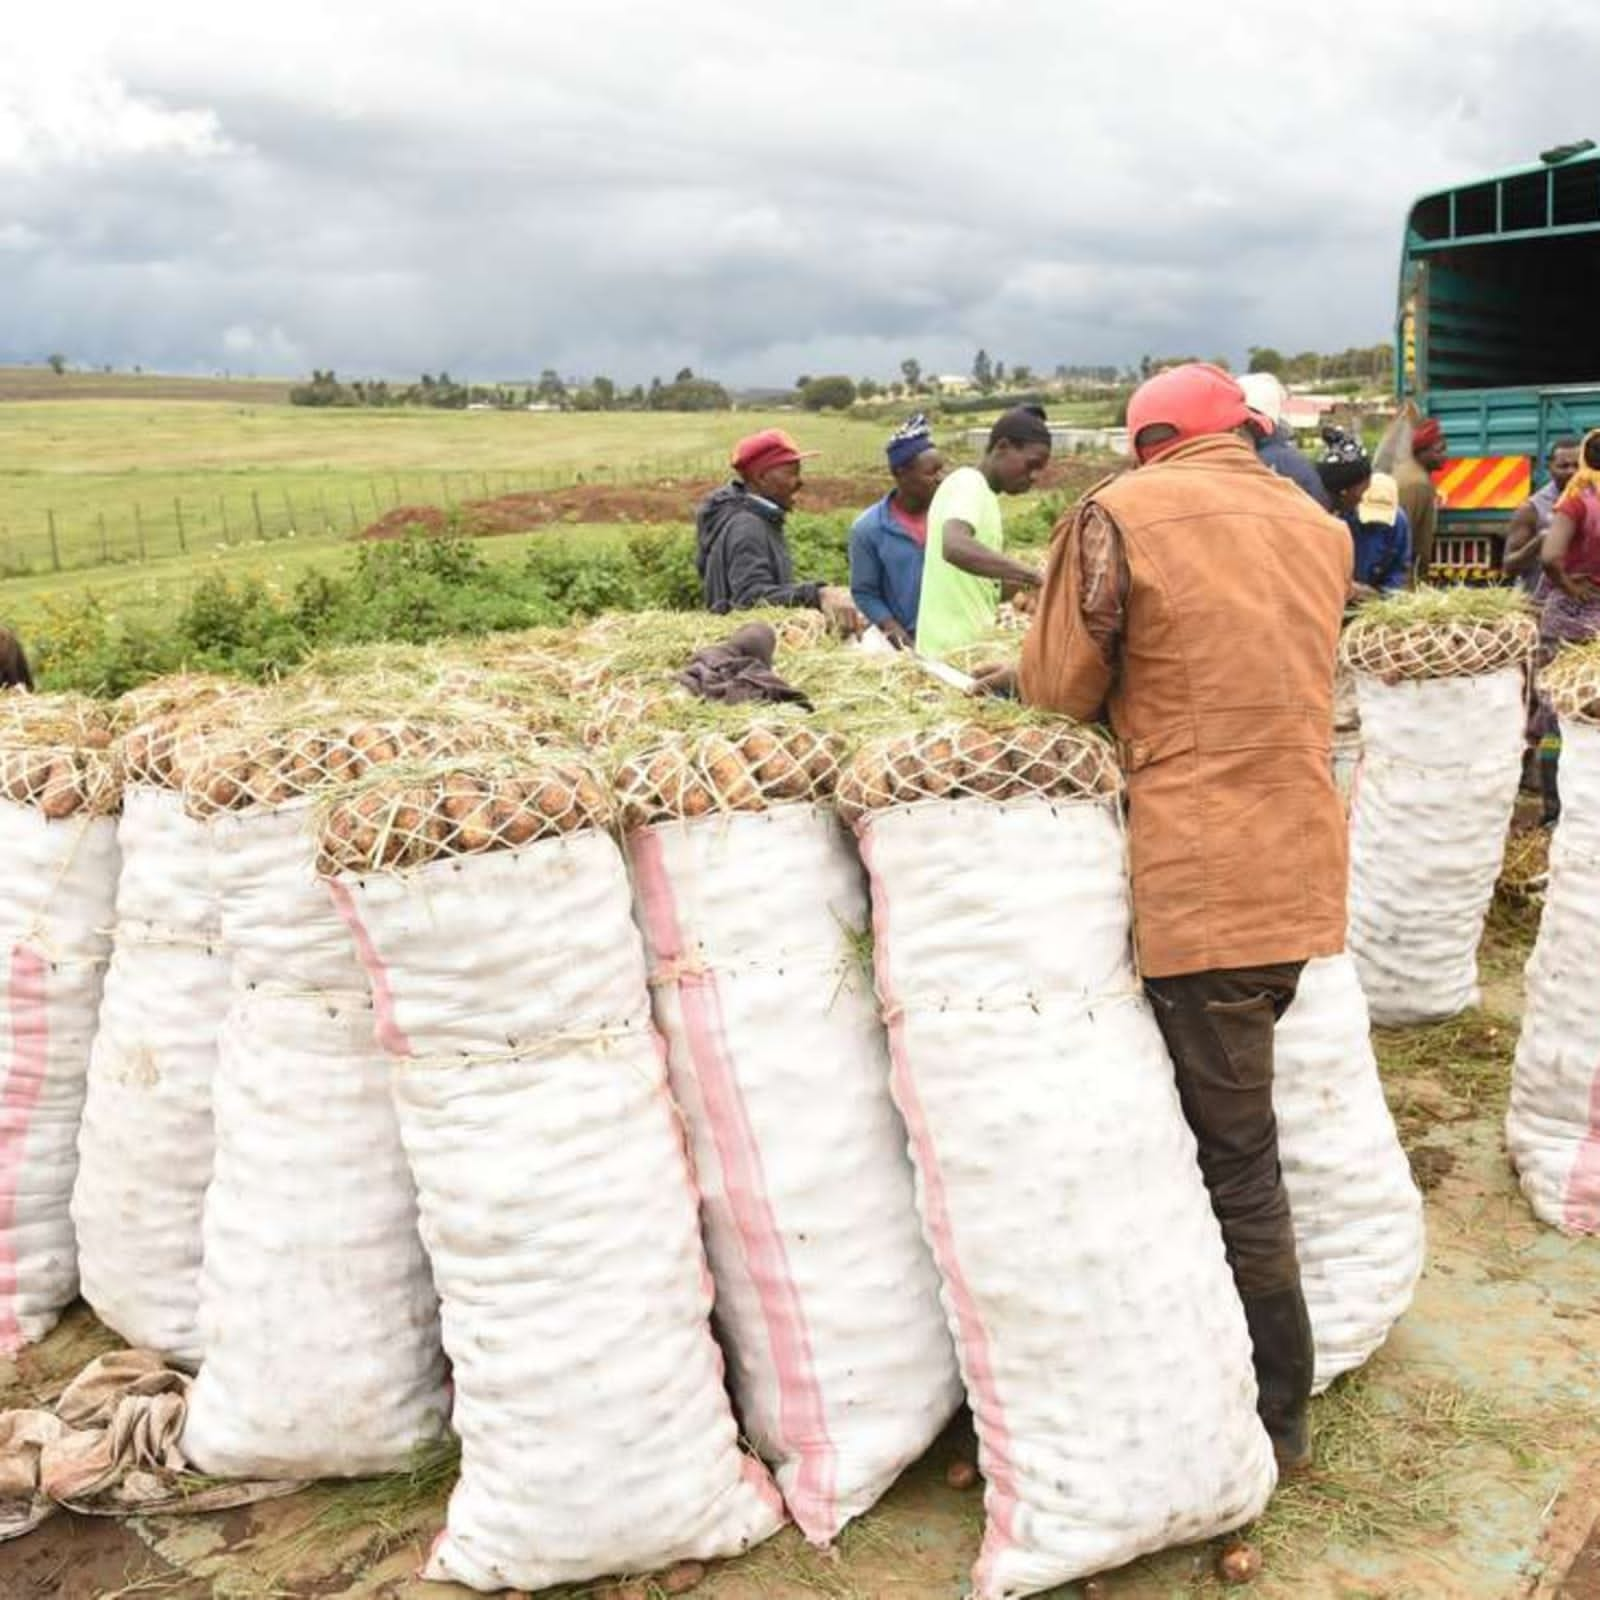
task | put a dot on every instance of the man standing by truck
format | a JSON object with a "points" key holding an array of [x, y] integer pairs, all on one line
{"points": [[1418, 497], [1530, 522], [1196, 603]]}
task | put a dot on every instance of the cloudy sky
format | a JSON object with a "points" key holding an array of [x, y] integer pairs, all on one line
{"points": [[631, 186]]}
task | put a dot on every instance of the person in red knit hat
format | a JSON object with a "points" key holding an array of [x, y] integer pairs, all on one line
{"points": [[1418, 497]]}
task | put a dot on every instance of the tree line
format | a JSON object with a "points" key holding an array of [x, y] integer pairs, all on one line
{"points": [[989, 375], [686, 392]]}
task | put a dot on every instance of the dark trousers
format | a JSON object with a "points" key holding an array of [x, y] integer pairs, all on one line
{"points": [[1219, 1032]]}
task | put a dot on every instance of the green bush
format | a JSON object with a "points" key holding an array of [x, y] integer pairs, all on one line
{"points": [[410, 590]]}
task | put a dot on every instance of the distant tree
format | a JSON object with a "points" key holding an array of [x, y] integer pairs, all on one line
{"points": [[983, 372], [911, 371], [685, 375], [636, 397], [551, 389], [868, 388], [689, 394], [802, 380], [1021, 375], [999, 374], [1263, 358], [1223, 362], [835, 393], [605, 392], [57, 364]]}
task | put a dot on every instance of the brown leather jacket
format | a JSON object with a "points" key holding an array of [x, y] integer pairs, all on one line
{"points": [[1198, 600]]}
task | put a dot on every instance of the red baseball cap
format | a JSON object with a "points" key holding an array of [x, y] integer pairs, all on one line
{"points": [[1196, 399], [772, 447]]}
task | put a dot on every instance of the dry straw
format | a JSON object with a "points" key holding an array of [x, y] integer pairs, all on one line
{"points": [[405, 816], [1440, 633], [56, 754], [1572, 681]]}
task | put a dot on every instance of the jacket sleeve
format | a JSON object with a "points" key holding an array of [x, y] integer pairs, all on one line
{"points": [[866, 576], [753, 577], [1068, 655]]}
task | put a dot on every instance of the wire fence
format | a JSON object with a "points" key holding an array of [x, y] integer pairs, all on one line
{"points": [[304, 504]]}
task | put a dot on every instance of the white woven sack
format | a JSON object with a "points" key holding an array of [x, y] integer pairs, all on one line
{"points": [[317, 1311], [559, 1213], [1103, 1345], [144, 1153], [827, 1296], [1441, 761], [55, 924], [1553, 1121], [1358, 1223]]}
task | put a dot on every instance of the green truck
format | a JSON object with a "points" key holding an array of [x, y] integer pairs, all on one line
{"points": [[1497, 339]]}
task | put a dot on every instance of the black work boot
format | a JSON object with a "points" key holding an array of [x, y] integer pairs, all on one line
{"points": [[1285, 1358], [1549, 788]]}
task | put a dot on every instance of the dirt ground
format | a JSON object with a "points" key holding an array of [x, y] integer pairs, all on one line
{"points": [[1463, 1462], [664, 502]]}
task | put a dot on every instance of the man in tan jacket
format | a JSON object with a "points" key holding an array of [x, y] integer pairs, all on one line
{"points": [[1195, 605]]}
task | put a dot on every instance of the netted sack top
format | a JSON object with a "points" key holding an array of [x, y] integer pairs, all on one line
{"points": [[766, 764], [621, 712], [406, 816], [1572, 681], [272, 765], [1440, 633], [979, 760], [56, 754], [158, 750], [176, 693]]}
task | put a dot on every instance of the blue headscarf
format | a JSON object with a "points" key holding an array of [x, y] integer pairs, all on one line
{"points": [[908, 442]]}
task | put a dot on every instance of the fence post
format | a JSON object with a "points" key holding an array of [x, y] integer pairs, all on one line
{"points": [[105, 542], [138, 525], [288, 506], [55, 549], [355, 521], [183, 538], [377, 509], [222, 508], [255, 500], [395, 480]]}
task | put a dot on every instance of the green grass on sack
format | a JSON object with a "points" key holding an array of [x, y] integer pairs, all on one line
{"points": [[1416, 608]]}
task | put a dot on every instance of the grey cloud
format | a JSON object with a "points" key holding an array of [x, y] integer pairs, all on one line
{"points": [[628, 189]]}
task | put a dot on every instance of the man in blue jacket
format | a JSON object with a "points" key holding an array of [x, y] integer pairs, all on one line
{"points": [[888, 541]]}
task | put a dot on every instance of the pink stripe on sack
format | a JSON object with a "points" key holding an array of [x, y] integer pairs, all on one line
{"points": [[25, 1075], [802, 1416], [977, 1364], [386, 1031], [1580, 1205]]}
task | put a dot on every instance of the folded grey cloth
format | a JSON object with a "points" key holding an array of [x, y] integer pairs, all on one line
{"points": [[739, 670]]}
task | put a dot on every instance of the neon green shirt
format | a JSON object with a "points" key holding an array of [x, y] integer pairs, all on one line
{"points": [[956, 608]]}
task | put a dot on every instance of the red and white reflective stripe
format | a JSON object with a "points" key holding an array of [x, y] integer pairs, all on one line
{"points": [[802, 1414], [977, 1364], [1580, 1205], [388, 1033], [25, 1075]]}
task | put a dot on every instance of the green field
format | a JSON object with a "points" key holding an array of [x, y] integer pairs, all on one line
{"points": [[130, 481]]}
